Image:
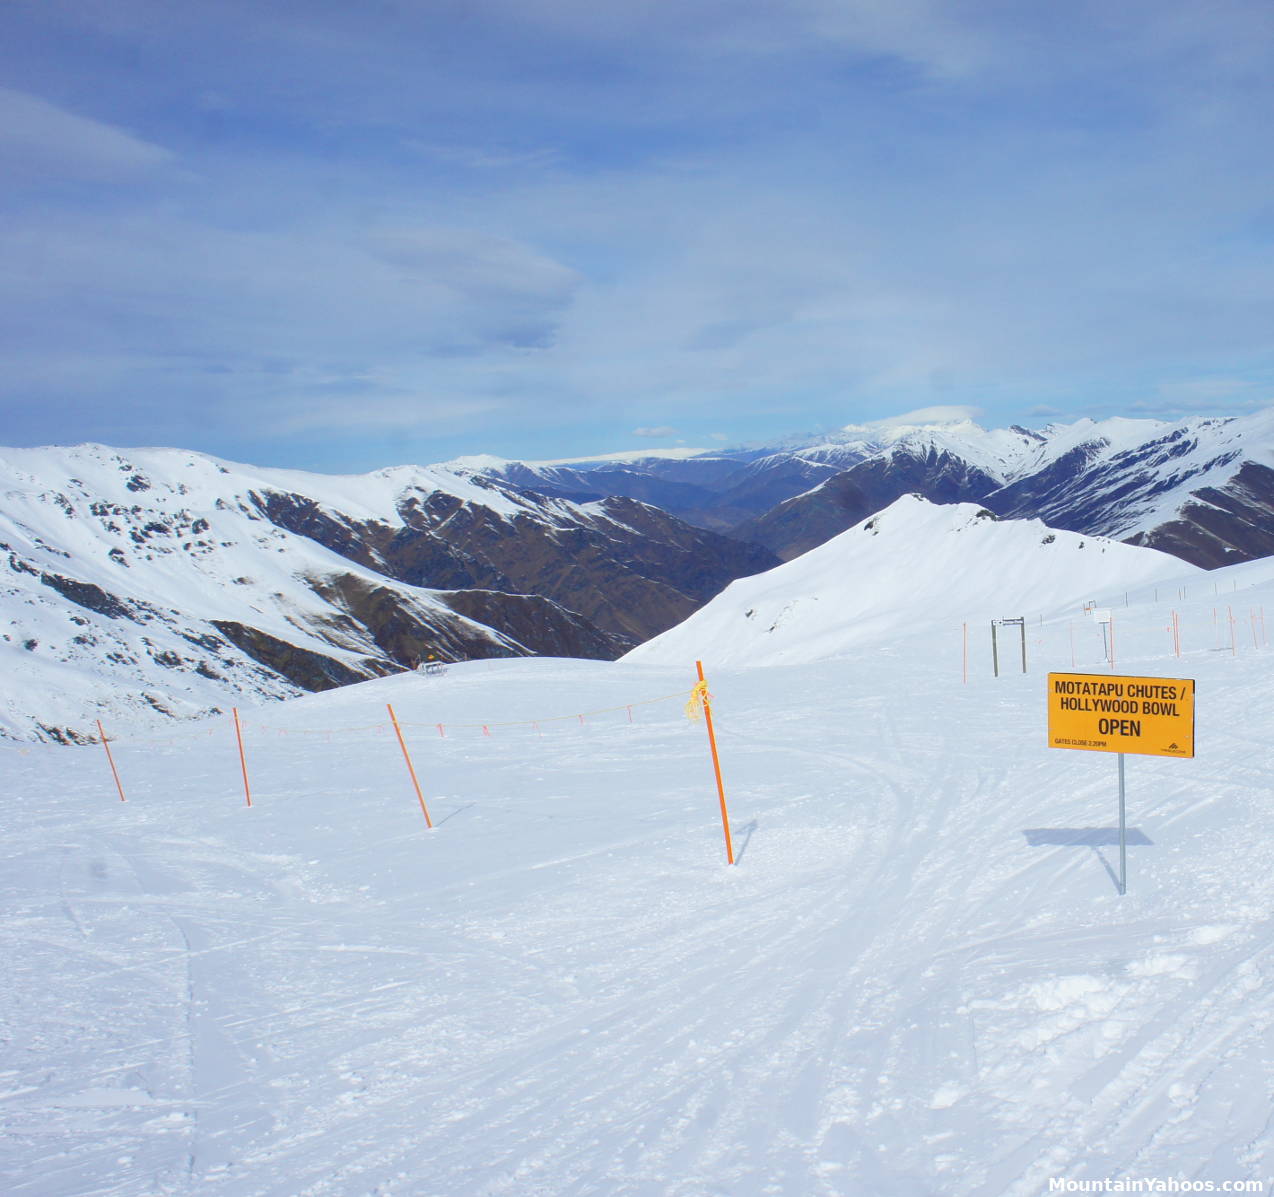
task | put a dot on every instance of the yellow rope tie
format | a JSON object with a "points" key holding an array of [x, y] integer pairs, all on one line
{"points": [[699, 698]]}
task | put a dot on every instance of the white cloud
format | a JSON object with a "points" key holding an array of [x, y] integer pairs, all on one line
{"points": [[474, 263], [1195, 390], [797, 211], [365, 410], [37, 138], [927, 33], [487, 158], [1202, 396], [949, 414], [661, 432]]}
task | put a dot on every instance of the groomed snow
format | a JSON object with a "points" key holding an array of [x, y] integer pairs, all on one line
{"points": [[918, 978]]}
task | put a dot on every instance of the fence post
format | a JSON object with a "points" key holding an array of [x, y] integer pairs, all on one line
{"points": [[243, 760], [716, 763], [111, 760], [410, 768]]}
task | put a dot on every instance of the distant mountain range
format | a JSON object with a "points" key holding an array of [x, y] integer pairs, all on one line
{"points": [[1201, 489], [170, 582]]}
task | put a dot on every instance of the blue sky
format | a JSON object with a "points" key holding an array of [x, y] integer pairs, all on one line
{"points": [[342, 236]]}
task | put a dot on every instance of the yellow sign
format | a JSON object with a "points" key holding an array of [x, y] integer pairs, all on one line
{"points": [[1153, 716]]}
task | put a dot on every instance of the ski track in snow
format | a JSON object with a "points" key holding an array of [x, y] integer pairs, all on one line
{"points": [[564, 990]]}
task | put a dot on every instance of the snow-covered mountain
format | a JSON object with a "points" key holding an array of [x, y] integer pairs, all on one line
{"points": [[1202, 489], [711, 488], [905, 568], [174, 582], [725, 488]]}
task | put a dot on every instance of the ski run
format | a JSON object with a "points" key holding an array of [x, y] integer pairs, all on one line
{"points": [[918, 978]]}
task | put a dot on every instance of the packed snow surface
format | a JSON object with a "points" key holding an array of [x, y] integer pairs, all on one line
{"points": [[897, 572], [918, 978]]}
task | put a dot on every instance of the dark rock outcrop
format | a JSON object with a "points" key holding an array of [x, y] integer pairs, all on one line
{"points": [[532, 619], [629, 569], [404, 629], [88, 595], [1221, 525], [801, 523], [301, 666]]}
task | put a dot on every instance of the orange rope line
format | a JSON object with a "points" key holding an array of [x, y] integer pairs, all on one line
{"points": [[327, 731]]}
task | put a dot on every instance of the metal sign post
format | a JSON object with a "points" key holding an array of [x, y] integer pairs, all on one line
{"points": [[1151, 716], [1123, 833], [1103, 616], [1020, 622]]}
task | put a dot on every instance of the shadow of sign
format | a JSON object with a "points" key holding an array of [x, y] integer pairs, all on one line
{"points": [[1084, 837], [1095, 838]]}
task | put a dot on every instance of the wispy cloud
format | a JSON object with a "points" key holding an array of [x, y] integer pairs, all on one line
{"points": [[352, 408], [659, 432], [487, 158], [1201, 396], [1194, 390], [42, 141], [552, 219]]}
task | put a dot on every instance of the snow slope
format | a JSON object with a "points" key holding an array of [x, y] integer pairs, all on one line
{"points": [[176, 583], [1201, 489], [918, 978], [899, 571], [1202, 454], [171, 540]]}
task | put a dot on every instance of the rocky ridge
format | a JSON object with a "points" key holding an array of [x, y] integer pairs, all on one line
{"points": [[171, 582]]}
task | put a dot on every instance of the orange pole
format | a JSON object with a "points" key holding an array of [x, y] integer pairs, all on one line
{"points": [[410, 769], [243, 760], [111, 759], [716, 768]]}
